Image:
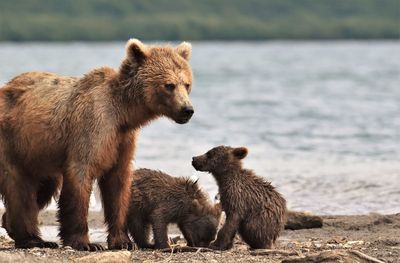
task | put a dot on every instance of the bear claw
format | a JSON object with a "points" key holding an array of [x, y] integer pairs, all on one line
{"points": [[89, 247], [36, 243]]}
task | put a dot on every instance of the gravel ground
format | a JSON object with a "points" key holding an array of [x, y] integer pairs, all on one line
{"points": [[342, 239]]}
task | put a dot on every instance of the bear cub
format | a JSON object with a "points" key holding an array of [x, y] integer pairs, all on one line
{"points": [[159, 199], [253, 207]]}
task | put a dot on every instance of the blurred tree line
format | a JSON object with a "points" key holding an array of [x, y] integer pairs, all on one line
{"points": [[64, 20]]}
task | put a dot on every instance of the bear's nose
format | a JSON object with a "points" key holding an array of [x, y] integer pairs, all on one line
{"points": [[188, 111]]}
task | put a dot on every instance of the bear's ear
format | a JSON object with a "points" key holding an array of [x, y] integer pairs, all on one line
{"points": [[217, 210], [191, 184], [197, 207], [240, 152], [184, 49], [136, 50]]}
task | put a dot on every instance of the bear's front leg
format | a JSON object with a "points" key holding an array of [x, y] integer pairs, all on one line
{"points": [[115, 190], [73, 208], [160, 229], [227, 233]]}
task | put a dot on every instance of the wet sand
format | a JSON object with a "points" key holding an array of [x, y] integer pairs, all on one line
{"points": [[341, 238]]}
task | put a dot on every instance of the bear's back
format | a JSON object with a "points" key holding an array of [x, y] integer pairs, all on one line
{"points": [[154, 189], [43, 110], [249, 192]]}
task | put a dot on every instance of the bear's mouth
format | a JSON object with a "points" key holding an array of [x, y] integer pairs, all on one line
{"points": [[182, 119]]}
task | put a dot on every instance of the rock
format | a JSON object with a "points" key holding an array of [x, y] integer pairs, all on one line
{"points": [[301, 220], [383, 220], [106, 257]]}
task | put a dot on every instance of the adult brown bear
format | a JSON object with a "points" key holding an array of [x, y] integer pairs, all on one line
{"points": [[64, 132]]}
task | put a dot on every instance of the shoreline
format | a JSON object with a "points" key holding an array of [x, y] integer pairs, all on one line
{"points": [[375, 235]]}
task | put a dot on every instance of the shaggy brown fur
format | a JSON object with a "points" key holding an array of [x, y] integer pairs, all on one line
{"points": [[159, 199], [252, 206], [66, 131]]}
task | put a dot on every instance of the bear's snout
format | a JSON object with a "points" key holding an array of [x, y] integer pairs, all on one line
{"points": [[187, 111], [197, 163], [185, 114]]}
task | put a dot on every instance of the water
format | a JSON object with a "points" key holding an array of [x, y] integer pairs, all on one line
{"points": [[321, 119]]}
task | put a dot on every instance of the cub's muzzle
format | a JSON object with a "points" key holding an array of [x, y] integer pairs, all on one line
{"points": [[197, 163]]}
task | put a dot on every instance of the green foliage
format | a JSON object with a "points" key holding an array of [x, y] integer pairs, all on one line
{"points": [[61, 20]]}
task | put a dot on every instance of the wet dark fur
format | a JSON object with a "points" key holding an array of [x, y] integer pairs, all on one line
{"points": [[159, 199], [253, 207], [59, 132]]}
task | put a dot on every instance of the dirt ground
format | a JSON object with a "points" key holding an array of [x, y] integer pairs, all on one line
{"points": [[361, 238]]}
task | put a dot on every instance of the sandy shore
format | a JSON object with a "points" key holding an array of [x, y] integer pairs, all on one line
{"points": [[342, 237]]}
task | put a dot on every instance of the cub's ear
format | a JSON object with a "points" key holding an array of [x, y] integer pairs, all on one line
{"points": [[197, 207], [240, 152], [184, 49], [191, 184], [136, 50], [217, 210]]}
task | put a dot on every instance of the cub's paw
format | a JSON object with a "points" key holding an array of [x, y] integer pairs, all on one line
{"points": [[161, 245], [146, 246], [217, 246]]}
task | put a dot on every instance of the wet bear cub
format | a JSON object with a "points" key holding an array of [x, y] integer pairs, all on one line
{"points": [[253, 208], [159, 199]]}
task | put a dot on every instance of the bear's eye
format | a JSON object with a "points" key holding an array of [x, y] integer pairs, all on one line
{"points": [[169, 87], [187, 86]]}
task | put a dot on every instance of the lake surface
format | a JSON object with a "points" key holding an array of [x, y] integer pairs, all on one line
{"points": [[321, 119]]}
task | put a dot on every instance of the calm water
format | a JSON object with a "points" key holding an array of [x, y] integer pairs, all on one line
{"points": [[321, 119]]}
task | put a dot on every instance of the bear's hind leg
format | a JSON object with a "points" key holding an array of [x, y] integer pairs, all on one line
{"points": [[255, 231], [139, 230], [5, 225], [47, 189], [21, 216], [160, 230]]}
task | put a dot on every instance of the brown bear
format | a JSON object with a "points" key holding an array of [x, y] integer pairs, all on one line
{"points": [[60, 132], [159, 199], [253, 207]]}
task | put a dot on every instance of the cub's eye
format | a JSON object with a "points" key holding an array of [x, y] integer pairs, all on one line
{"points": [[169, 87], [187, 86]]}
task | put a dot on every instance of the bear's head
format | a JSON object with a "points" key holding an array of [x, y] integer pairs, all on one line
{"points": [[162, 78], [201, 224], [220, 159]]}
